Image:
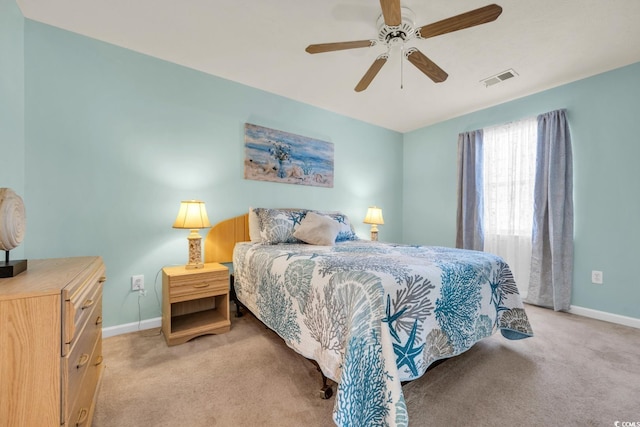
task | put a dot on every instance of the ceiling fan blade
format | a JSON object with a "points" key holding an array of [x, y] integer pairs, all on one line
{"points": [[330, 47], [460, 22], [371, 72], [426, 65], [391, 12]]}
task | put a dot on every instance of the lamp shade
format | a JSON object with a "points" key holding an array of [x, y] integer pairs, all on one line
{"points": [[192, 215], [374, 216]]}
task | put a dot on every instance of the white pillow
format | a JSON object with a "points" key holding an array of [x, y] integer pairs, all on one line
{"points": [[346, 228], [317, 229], [254, 226]]}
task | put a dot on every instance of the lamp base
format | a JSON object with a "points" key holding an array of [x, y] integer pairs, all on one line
{"points": [[374, 232], [195, 251], [12, 268]]}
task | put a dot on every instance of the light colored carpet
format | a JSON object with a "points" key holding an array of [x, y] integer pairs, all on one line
{"points": [[575, 372]]}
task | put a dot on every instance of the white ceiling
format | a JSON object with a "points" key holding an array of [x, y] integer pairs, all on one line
{"points": [[260, 43]]}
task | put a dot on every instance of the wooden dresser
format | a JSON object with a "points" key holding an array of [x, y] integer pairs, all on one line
{"points": [[51, 342]]}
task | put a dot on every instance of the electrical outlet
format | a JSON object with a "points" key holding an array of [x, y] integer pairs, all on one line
{"points": [[597, 277], [137, 282]]}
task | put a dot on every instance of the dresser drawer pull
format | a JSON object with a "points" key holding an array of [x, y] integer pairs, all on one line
{"points": [[98, 361], [82, 416], [88, 303], [201, 285], [102, 279], [83, 361], [98, 320]]}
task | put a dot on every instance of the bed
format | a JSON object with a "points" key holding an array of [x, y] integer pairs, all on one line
{"points": [[372, 315]]}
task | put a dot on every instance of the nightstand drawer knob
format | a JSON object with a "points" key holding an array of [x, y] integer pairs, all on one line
{"points": [[98, 361], [88, 303], [99, 321], [201, 285]]}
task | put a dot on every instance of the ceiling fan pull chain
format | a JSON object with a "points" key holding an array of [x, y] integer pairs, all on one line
{"points": [[402, 67]]}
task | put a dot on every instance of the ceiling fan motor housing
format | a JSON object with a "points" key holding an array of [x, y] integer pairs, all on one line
{"points": [[397, 35]]}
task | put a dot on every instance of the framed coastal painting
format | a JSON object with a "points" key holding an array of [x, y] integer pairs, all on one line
{"points": [[273, 155]]}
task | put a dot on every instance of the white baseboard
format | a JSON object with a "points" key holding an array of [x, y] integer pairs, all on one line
{"points": [[131, 327], [607, 317], [580, 311]]}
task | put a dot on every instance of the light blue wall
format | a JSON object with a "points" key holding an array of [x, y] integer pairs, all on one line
{"points": [[604, 115], [12, 103], [115, 139]]}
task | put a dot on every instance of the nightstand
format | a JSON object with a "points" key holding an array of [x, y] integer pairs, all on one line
{"points": [[194, 302]]}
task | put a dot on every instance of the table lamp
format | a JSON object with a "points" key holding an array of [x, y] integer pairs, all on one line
{"points": [[193, 216], [374, 217]]}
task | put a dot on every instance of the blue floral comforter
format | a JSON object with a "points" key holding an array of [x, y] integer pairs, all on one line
{"points": [[375, 314]]}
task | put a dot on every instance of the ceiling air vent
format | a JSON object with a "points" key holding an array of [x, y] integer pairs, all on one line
{"points": [[498, 78]]}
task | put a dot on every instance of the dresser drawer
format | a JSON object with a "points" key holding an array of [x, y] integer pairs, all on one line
{"points": [[80, 414], [79, 306], [205, 284], [78, 362]]}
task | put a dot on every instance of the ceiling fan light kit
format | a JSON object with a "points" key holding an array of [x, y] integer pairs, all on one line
{"points": [[396, 26]]}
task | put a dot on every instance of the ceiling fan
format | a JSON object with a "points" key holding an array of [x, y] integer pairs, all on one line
{"points": [[396, 27]]}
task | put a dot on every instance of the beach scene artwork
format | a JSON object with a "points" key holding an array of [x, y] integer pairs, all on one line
{"points": [[273, 155]]}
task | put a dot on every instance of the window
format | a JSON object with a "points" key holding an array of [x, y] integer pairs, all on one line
{"points": [[496, 215], [509, 160]]}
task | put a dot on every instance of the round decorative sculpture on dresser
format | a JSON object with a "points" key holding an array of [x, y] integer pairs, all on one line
{"points": [[12, 229], [12, 219]]}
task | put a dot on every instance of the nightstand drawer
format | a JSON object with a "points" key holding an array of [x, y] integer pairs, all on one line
{"points": [[198, 279], [200, 287]]}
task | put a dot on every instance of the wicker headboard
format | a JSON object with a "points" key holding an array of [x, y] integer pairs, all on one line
{"points": [[219, 243]]}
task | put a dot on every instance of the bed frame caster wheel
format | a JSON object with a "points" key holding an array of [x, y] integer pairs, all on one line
{"points": [[326, 392]]}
